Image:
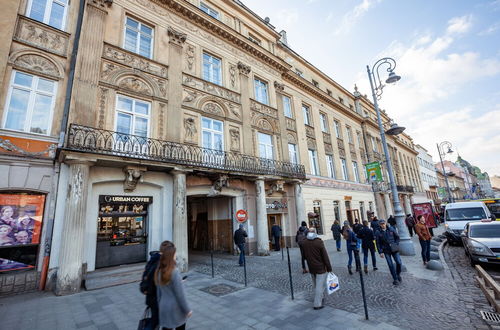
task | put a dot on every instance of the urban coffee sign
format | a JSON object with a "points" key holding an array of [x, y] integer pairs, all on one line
{"points": [[112, 199], [276, 205]]}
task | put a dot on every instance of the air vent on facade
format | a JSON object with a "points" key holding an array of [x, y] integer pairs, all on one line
{"points": [[490, 317]]}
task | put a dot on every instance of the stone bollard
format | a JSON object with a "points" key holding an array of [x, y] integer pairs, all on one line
{"points": [[435, 243], [434, 248], [434, 265], [434, 256]]}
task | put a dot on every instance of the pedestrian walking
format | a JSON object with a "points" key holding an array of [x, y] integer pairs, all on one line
{"points": [[367, 237], [172, 303], [318, 263], [375, 225], [239, 239], [351, 244], [410, 223], [336, 231], [392, 221], [276, 233], [424, 237], [388, 246], [148, 287], [299, 238], [356, 228]]}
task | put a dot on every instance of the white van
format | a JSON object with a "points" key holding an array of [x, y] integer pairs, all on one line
{"points": [[457, 215]]}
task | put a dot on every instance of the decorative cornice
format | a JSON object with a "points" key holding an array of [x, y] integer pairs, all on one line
{"points": [[176, 37], [243, 68]]}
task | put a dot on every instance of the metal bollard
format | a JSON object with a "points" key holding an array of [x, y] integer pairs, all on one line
{"points": [[212, 261], [289, 271], [245, 267], [358, 266], [282, 256]]}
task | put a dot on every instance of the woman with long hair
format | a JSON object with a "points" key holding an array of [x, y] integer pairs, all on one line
{"points": [[172, 304]]}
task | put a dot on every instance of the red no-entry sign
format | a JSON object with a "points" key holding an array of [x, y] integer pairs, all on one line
{"points": [[241, 215]]}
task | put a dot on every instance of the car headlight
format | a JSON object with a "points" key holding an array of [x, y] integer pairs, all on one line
{"points": [[479, 248]]}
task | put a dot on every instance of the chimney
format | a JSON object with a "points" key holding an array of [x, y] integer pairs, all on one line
{"points": [[283, 37]]}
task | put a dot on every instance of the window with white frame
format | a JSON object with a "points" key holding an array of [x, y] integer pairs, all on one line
{"points": [[330, 166], [210, 11], [266, 147], [30, 103], [261, 91], [337, 129], [313, 161], [374, 143], [324, 122], [349, 134], [292, 152], [212, 69], [51, 12], [307, 114], [345, 174], [212, 134], [132, 116], [355, 170], [138, 38], [287, 106]]}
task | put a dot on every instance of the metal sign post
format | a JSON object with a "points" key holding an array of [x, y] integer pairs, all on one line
{"points": [[358, 266]]}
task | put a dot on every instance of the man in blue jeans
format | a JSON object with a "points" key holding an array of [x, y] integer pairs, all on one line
{"points": [[388, 247], [239, 239]]}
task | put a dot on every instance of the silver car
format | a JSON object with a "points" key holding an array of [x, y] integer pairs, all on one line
{"points": [[482, 242]]}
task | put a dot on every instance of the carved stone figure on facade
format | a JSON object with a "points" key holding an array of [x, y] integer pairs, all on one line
{"points": [[189, 129], [232, 75], [235, 139], [279, 87], [213, 108], [132, 177], [243, 68], [276, 186], [190, 56]]}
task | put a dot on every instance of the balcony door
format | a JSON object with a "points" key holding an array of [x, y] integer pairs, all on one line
{"points": [[213, 141], [132, 118]]}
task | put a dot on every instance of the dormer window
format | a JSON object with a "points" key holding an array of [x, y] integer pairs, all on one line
{"points": [[254, 39], [299, 73], [210, 11]]}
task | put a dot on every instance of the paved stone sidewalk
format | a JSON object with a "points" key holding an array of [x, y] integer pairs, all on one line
{"points": [[121, 307]]}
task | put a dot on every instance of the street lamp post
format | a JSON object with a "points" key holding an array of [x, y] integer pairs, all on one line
{"points": [[405, 245], [441, 152]]}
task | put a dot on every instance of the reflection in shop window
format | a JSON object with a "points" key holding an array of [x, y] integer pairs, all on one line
{"points": [[315, 219]]}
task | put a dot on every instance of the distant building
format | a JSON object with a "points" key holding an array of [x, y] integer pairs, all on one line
{"points": [[427, 174]]}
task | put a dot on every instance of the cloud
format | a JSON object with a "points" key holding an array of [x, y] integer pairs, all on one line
{"points": [[459, 25], [352, 17], [490, 30], [287, 17]]}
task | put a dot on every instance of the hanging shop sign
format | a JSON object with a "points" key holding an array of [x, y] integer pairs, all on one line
{"points": [[241, 216], [374, 172]]}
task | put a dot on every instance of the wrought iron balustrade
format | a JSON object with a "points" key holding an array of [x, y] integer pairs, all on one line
{"points": [[100, 141], [408, 189]]}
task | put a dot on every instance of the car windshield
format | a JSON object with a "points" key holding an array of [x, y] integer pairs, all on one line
{"points": [[485, 231], [470, 213]]}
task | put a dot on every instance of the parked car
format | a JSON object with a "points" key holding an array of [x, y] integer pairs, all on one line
{"points": [[457, 215], [482, 242]]}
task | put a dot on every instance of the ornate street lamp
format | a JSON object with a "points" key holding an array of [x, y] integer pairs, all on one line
{"points": [[441, 147], [405, 245]]}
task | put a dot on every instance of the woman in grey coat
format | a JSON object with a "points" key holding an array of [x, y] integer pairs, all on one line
{"points": [[172, 304]]}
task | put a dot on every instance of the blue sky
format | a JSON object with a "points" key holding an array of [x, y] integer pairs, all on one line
{"points": [[448, 54]]}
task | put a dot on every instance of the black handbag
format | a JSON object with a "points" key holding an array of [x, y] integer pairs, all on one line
{"points": [[394, 247], [145, 322]]}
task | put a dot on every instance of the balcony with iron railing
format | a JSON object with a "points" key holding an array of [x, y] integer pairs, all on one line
{"points": [[407, 189], [104, 142]]}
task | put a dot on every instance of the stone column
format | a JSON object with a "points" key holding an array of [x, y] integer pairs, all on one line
{"points": [[300, 207], [179, 220], [407, 204], [282, 120], [388, 206], [174, 115], [69, 274], [245, 87], [262, 230], [88, 64]]}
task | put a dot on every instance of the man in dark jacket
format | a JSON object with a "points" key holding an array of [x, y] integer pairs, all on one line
{"points": [[276, 233], [337, 233], [375, 225], [367, 237], [300, 238], [392, 221], [356, 228], [318, 263], [388, 247], [148, 287], [239, 239]]}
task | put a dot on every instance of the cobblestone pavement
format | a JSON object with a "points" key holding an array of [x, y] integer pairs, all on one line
{"points": [[418, 303], [469, 293]]}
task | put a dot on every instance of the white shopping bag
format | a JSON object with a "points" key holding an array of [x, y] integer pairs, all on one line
{"points": [[332, 283]]}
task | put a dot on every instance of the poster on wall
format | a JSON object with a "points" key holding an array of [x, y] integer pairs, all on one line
{"points": [[425, 209]]}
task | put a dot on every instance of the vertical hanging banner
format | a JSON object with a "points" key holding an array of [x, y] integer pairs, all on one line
{"points": [[374, 172]]}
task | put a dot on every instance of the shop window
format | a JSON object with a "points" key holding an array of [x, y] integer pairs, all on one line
{"points": [[212, 69], [138, 38], [336, 210], [51, 12], [261, 94], [30, 103], [315, 219], [21, 217]]}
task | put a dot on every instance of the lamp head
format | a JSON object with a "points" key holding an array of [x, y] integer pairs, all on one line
{"points": [[395, 129], [393, 77], [449, 151]]}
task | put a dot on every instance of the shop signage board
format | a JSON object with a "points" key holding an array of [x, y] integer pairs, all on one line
{"points": [[275, 205], [125, 199], [374, 172], [425, 209], [241, 216]]}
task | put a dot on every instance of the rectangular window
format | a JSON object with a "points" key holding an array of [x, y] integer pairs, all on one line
{"points": [[337, 129], [132, 116], [261, 91], [138, 38], [307, 115], [254, 39], [313, 161], [209, 11], [51, 12], [287, 106], [266, 146], [212, 69], [30, 103], [330, 166], [355, 170], [212, 134], [345, 174], [292, 152], [324, 122], [374, 143], [349, 134]]}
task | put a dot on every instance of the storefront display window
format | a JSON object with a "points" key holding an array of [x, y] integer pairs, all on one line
{"points": [[315, 218], [21, 218]]}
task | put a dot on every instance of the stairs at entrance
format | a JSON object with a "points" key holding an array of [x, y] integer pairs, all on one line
{"points": [[111, 276]]}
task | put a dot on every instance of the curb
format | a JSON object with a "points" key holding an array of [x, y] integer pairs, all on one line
{"points": [[443, 261]]}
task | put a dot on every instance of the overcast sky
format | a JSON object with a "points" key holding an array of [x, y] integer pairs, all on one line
{"points": [[447, 52]]}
